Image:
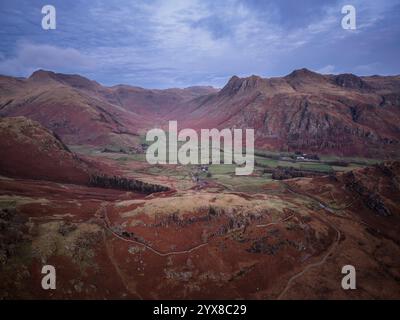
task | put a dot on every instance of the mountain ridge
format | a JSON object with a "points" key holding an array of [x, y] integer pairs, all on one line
{"points": [[306, 111]]}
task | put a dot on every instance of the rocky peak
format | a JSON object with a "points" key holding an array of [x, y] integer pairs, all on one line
{"points": [[42, 75], [304, 73], [73, 80], [349, 80], [236, 85]]}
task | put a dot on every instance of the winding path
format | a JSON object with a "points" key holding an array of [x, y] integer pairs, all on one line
{"points": [[103, 212], [274, 223], [313, 265], [326, 256]]}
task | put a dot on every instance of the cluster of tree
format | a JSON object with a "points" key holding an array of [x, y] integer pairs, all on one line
{"points": [[337, 163], [283, 173], [111, 150], [267, 155], [115, 182]]}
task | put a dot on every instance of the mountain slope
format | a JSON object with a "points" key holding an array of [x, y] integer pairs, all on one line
{"points": [[82, 111], [76, 117], [306, 111], [30, 151]]}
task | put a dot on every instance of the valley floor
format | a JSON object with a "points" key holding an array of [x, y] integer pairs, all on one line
{"points": [[280, 240]]}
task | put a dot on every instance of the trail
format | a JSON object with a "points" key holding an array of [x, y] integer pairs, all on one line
{"points": [[326, 256], [103, 212], [128, 284], [274, 223], [313, 265], [321, 203]]}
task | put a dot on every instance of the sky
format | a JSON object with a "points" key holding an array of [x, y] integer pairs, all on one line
{"points": [[181, 43]]}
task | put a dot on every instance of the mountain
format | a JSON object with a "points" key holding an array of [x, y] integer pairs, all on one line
{"points": [[82, 111], [306, 111], [344, 114], [66, 108], [370, 194], [154, 103], [30, 151]]}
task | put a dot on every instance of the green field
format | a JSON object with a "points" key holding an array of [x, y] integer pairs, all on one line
{"points": [[224, 174]]}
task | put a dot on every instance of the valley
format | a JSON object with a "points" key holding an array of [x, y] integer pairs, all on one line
{"points": [[76, 191]]}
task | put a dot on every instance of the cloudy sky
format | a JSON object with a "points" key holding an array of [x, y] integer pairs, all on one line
{"points": [[179, 43]]}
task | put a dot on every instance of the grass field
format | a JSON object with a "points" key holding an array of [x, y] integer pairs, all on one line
{"points": [[222, 174]]}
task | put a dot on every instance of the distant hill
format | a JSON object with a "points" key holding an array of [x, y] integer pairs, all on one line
{"points": [[82, 111], [306, 111], [303, 111]]}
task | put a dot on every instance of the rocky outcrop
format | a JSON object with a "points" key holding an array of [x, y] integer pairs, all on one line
{"points": [[369, 196], [343, 114], [238, 85], [13, 232], [350, 81]]}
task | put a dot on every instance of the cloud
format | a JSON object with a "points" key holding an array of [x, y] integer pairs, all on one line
{"points": [[175, 43], [30, 57], [198, 39], [329, 69], [195, 40], [366, 69]]}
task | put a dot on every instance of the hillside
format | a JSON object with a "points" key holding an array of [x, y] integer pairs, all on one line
{"points": [[345, 115], [30, 151], [309, 112], [82, 112]]}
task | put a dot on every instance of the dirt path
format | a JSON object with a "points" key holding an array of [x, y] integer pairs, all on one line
{"points": [[274, 223], [102, 211], [316, 264], [128, 283], [321, 203], [330, 250]]}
